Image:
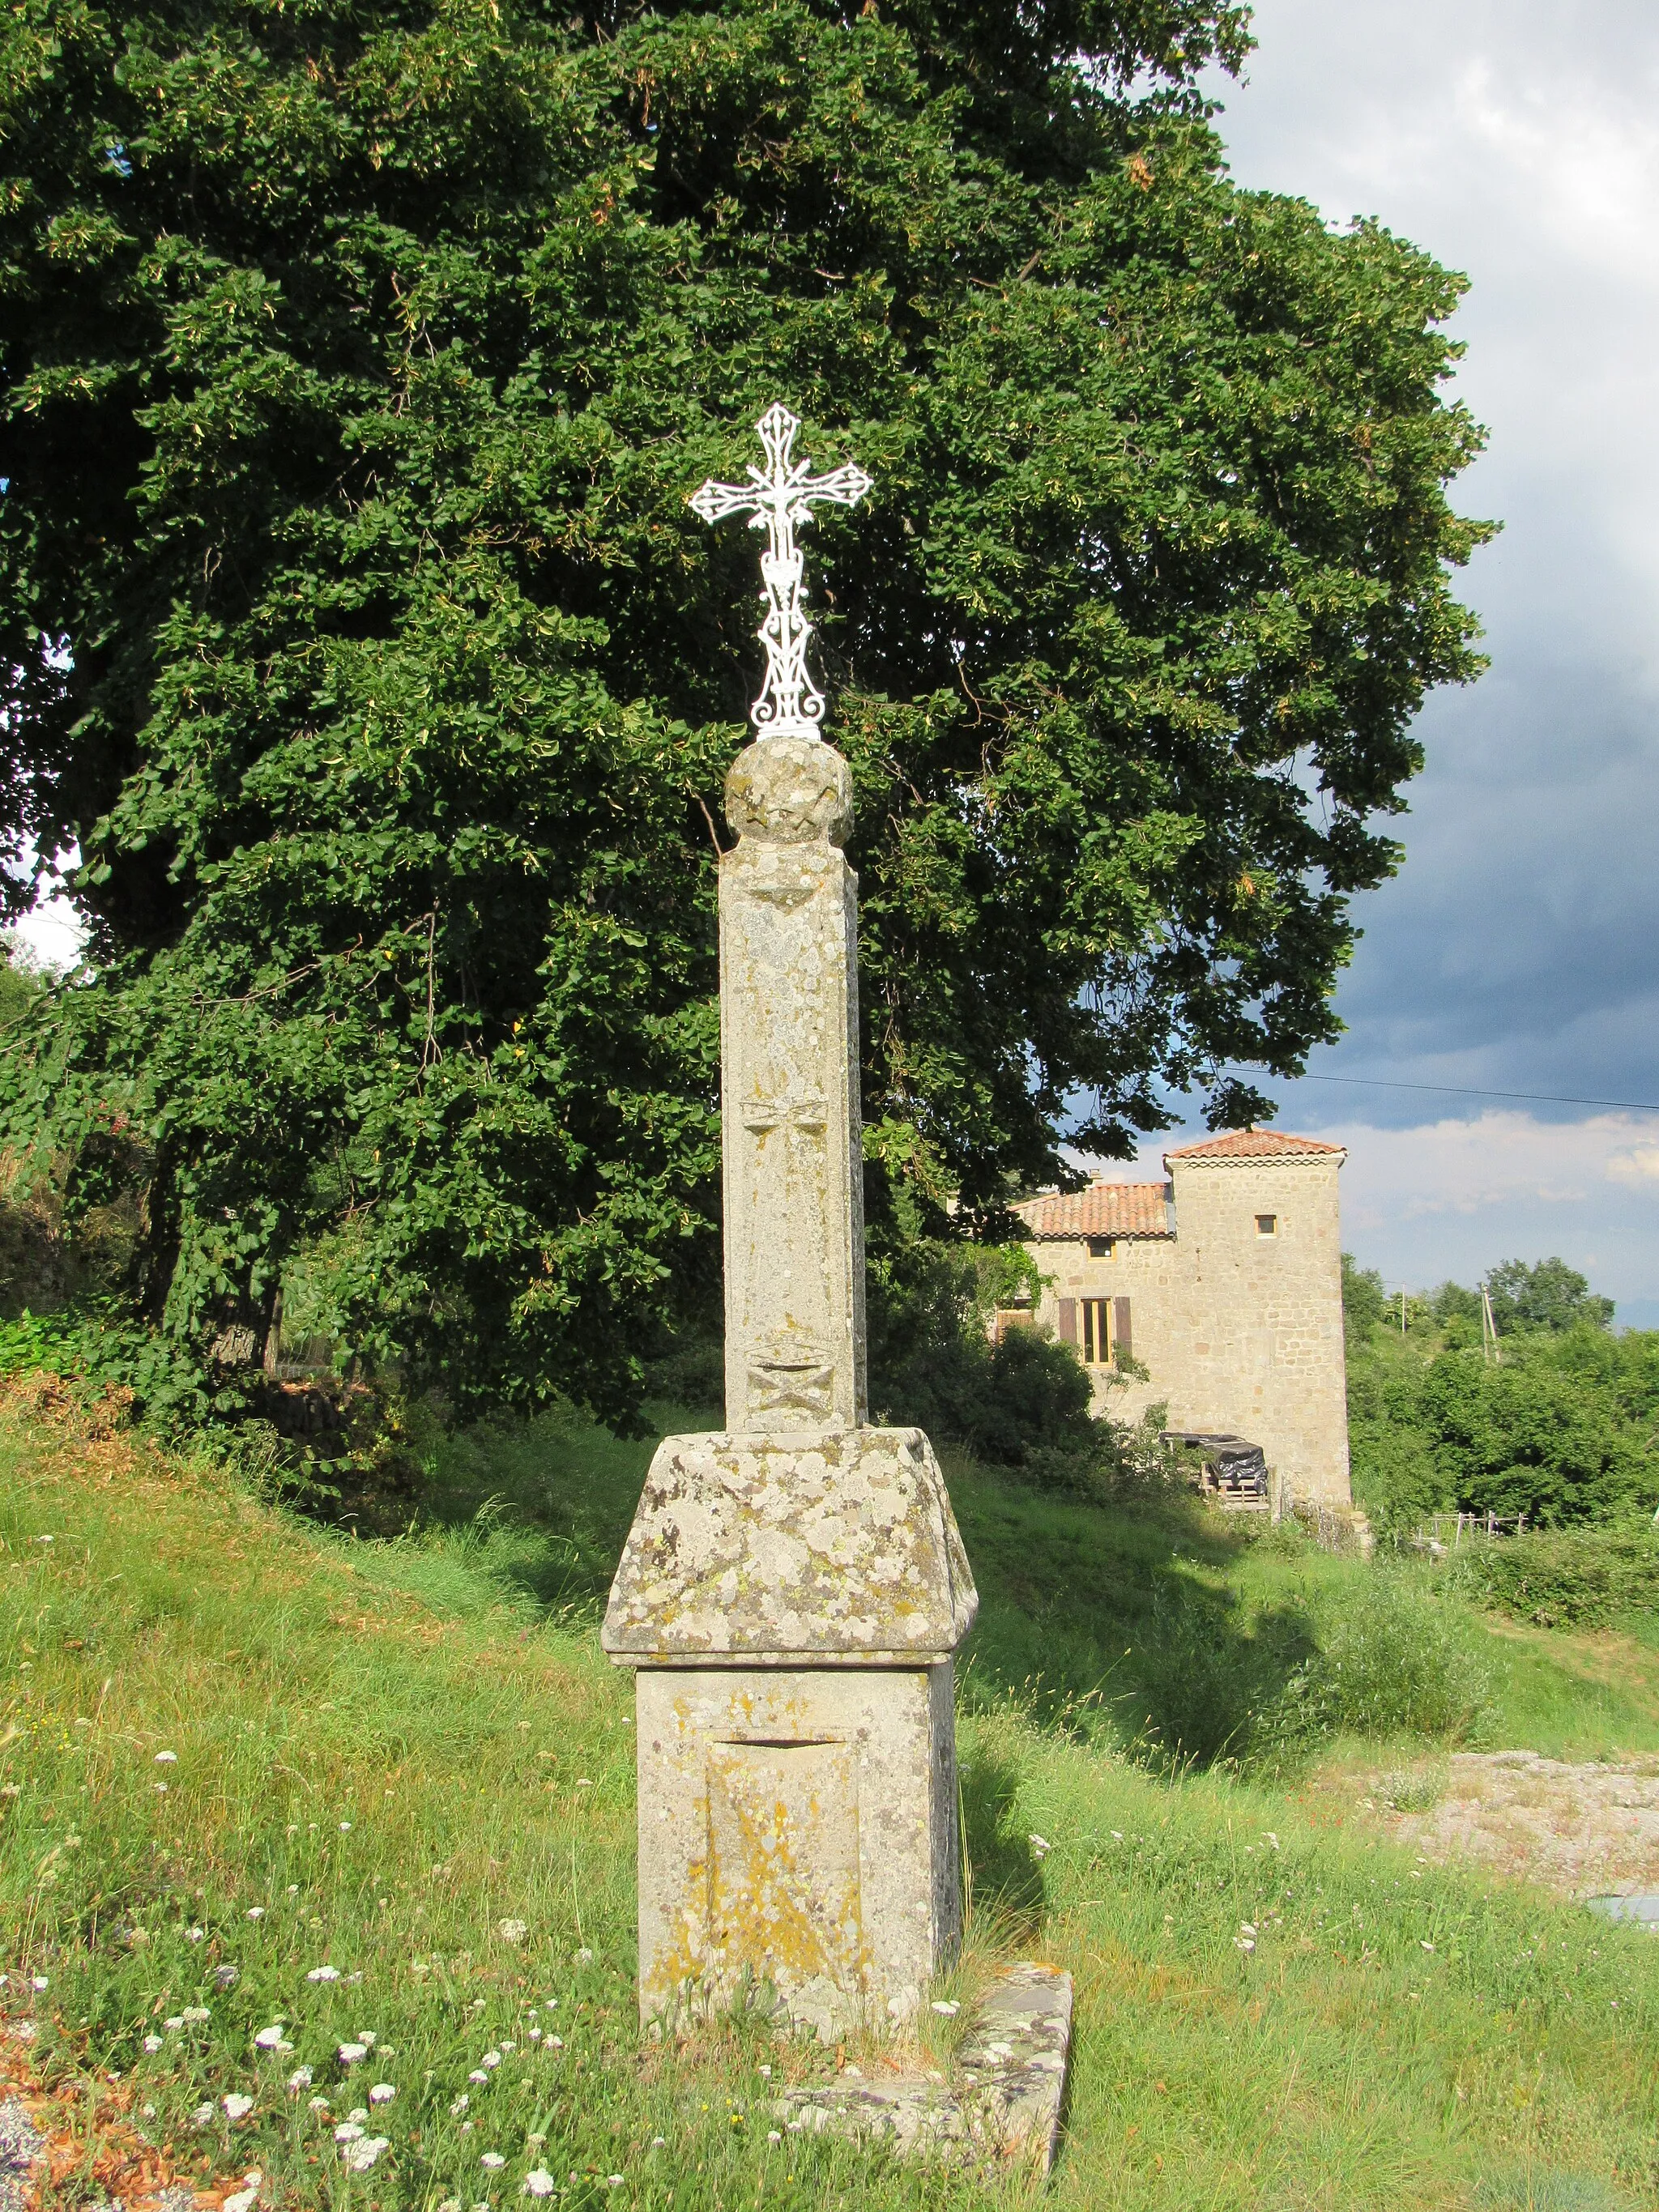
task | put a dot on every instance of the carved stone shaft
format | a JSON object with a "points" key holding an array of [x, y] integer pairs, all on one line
{"points": [[794, 1587], [789, 1074]]}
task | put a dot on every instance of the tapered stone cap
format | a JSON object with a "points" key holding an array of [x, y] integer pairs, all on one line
{"points": [[836, 1548]]}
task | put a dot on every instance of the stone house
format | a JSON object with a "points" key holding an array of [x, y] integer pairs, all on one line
{"points": [[1225, 1283]]}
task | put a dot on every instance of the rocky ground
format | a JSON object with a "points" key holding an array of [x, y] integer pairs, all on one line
{"points": [[1586, 1830]]}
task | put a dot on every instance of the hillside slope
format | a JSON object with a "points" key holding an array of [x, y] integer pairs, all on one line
{"points": [[398, 1815]]}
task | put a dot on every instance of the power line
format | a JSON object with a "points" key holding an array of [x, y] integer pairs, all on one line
{"points": [[1469, 1091]]}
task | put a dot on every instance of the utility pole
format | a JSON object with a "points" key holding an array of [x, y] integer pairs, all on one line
{"points": [[1491, 1350]]}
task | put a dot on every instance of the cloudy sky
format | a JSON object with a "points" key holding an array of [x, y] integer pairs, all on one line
{"points": [[1518, 141]]}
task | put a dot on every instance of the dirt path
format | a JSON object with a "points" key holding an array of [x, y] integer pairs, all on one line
{"points": [[1585, 1830]]}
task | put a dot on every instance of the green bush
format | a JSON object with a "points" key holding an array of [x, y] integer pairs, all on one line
{"points": [[1564, 1577], [1372, 1656], [1387, 1662]]}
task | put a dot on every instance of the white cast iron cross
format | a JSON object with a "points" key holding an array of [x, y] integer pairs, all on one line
{"points": [[780, 500]]}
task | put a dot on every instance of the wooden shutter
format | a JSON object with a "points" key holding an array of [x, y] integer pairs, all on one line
{"points": [[1123, 1339], [1068, 1320]]}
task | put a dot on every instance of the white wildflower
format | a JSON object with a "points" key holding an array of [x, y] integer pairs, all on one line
{"points": [[318, 2104], [241, 2200], [193, 2015], [554, 2043], [513, 1931], [1040, 1844], [194, 1935], [345, 1827], [477, 2074], [583, 1957], [613, 2180], [773, 2136], [237, 2107], [508, 2046], [269, 2037], [39, 1982], [459, 2105], [493, 2159], [323, 1974], [300, 2078], [152, 2042], [765, 2073], [166, 1758], [535, 2035], [1246, 1928], [256, 1912], [358, 2112], [175, 2023], [658, 2143], [350, 2053], [348, 2132], [382, 2093], [948, 2007], [202, 2117], [449, 2204], [1427, 1945], [491, 2058], [361, 2156], [539, 2182]]}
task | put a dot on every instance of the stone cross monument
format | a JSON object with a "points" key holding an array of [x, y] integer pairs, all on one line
{"points": [[794, 1587]]}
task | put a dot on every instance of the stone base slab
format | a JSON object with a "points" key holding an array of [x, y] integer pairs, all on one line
{"points": [[1004, 2106]]}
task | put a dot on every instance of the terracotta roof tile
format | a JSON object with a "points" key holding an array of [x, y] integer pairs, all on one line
{"points": [[1257, 1145], [1105, 1209]]}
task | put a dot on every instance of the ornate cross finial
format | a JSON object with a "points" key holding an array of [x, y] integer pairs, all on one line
{"points": [[780, 500]]}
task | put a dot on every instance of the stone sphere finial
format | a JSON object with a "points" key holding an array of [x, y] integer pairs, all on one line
{"points": [[790, 791]]}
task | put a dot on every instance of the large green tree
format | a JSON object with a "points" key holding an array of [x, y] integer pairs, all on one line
{"points": [[358, 357]]}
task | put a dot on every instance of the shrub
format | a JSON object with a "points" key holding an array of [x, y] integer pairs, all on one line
{"points": [[1387, 1662], [1564, 1577]]}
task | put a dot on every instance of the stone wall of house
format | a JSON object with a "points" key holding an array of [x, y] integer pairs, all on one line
{"points": [[1240, 1330]]}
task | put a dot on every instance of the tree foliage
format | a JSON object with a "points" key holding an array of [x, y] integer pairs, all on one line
{"points": [[1562, 1427], [358, 357], [1548, 1294]]}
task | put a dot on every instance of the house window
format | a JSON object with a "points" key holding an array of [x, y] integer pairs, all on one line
{"points": [[1098, 1329], [1009, 1317], [1267, 1225], [1095, 1315], [1103, 1247]]}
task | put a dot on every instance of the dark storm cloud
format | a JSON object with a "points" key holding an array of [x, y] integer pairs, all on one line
{"points": [[1518, 141], [1515, 141]]}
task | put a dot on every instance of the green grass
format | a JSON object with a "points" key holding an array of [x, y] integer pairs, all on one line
{"points": [[1399, 2034]]}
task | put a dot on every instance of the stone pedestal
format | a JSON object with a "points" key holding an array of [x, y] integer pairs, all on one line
{"points": [[791, 1601], [793, 1588]]}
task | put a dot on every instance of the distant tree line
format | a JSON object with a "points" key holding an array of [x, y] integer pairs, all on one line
{"points": [[1558, 1421]]}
